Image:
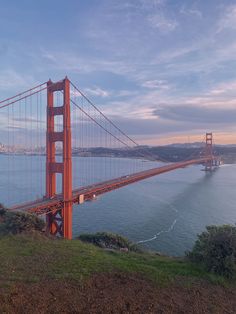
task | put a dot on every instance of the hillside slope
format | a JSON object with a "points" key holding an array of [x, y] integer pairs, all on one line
{"points": [[44, 275]]}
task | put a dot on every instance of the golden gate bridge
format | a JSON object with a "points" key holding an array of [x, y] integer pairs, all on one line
{"points": [[60, 117]]}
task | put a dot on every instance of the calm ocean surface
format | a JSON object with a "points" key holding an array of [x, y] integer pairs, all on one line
{"points": [[164, 213]]}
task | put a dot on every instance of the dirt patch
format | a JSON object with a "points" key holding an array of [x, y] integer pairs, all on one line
{"points": [[117, 293]]}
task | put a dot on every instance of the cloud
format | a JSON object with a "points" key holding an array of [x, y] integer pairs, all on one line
{"points": [[215, 106], [28, 119], [196, 114], [203, 55], [191, 12], [156, 84], [162, 23], [70, 61], [208, 58], [97, 91], [125, 93], [224, 89], [10, 79], [137, 127], [152, 4], [74, 93], [228, 20], [132, 68]]}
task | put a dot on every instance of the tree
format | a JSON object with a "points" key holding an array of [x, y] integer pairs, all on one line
{"points": [[2, 210], [17, 222], [215, 248]]}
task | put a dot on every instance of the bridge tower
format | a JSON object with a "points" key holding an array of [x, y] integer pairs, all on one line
{"points": [[209, 152], [59, 222]]}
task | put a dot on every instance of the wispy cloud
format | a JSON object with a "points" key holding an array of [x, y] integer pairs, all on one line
{"points": [[141, 60], [191, 12], [162, 23], [10, 79], [228, 20], [156, 84], [97, 91], [196, 114], [225, 89]]}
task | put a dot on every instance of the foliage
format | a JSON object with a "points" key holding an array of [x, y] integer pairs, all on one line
{"points": [[17, 222], [215, 248], [109, 240], [2, 210]]}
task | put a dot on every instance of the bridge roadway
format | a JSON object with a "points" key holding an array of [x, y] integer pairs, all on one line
{"points": [[45, 205]]}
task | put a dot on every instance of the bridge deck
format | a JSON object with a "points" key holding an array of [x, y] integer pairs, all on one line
{"points": [[45, 205]]}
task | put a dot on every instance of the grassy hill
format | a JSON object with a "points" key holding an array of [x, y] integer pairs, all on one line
{"points": [[55, 276]]}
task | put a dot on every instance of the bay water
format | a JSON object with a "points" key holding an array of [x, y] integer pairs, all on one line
{"points": [[163, 213]]}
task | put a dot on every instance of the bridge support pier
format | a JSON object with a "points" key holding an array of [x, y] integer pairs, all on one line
{"points": [[59, 222]]}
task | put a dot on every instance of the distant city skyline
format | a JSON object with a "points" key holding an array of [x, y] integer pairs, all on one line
{"points": [[163, 70]]}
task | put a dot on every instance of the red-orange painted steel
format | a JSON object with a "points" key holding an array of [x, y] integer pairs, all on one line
{"points": [[50, 160], [44, 206], [209, 152], [67, 165], [58, 208], [50, 145], [59, 221]]}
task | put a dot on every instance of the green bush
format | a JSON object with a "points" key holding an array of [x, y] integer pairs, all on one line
{"points": [[17, 222], [109, 240], [215, 248]]}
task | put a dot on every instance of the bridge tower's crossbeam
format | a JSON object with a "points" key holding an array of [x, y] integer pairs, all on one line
{"points": [[59, 221]]}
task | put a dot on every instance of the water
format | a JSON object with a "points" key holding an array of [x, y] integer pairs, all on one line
{"points": [[164, 213]]}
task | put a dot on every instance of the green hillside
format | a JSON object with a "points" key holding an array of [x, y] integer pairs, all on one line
{"points": [[29, 262]]}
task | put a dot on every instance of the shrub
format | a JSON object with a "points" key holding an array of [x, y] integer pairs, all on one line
{"points": [[17, 222], [215, 248], [109, 240], [2, 210]]}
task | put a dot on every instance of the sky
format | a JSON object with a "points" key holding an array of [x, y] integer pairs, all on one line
{"points": [[163, 70]]}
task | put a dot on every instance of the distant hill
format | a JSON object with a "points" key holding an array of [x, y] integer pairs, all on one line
{"points": [[187, 145], [168, 153]]}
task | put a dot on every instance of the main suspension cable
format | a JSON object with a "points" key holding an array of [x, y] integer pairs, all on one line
{"points": [[114, 125], [24, 97]]}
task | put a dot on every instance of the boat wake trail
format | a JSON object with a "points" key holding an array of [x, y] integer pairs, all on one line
{"points": [[162, 231]]}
